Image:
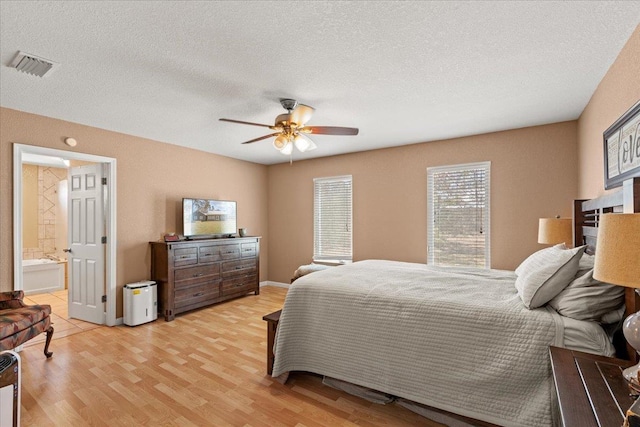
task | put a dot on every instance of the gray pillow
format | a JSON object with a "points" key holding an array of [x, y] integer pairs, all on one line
{"points": [[587, 262], [613, 316], [545, 273], [587, 298]]}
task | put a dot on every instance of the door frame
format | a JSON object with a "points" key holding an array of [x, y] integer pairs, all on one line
{"points": [[110, 217]]}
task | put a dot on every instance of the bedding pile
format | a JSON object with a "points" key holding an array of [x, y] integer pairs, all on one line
{"points": [[457, 339]]}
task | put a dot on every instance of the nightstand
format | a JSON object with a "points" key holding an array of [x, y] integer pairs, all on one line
{"points": [[591, 390]]}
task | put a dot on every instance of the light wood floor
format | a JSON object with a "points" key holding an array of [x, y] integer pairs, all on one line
{"points": [[63, 325], [206, 368]]}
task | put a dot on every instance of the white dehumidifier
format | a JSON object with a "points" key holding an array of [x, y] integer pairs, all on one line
{"points": [[10, 389], [140, 302]]}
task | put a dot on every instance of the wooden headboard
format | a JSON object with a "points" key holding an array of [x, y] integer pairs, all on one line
{"points": [[586, 217]]}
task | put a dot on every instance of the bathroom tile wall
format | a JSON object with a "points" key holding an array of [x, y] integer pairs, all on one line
{"points": [[48, 179]]}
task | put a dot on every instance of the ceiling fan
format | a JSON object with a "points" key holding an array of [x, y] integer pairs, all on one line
{"points": [[291, 128]]}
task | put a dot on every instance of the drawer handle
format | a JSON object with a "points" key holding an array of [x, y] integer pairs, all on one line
{"points": [[238, 268], [229, 252], [198, 274], [199, 294], [185, 256]]}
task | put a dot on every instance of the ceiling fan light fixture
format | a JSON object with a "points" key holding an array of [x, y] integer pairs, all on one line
{"points": [[302, 114], [288, 149], [302, 142], [280, 142]]}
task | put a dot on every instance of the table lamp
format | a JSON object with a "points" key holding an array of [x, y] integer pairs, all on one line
{"points": [[556, 230], [618, 262]]}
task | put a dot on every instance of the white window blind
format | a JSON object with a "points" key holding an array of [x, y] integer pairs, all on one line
{"points": [[458, 215], [332, 236]]}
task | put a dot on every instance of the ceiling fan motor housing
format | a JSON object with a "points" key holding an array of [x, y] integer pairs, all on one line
{"points": [[283, 119]]}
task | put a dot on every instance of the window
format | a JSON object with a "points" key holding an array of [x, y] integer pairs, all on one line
{"points": [[332, 219], [458, 215]]}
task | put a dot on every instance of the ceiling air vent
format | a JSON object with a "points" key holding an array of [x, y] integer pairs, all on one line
{"points": [[32, 64]]}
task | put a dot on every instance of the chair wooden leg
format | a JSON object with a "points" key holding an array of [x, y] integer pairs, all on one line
{"points": [[46, 345]]}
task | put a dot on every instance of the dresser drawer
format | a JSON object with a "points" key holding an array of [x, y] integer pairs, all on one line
{"points": [[248, 250], [230, 251], [239, 267], [185, 256], [192, 275], [196, 294], [240, 284], [209, 254]]}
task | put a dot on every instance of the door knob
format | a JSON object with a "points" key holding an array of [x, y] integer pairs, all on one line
{"points": [[68, 250]]}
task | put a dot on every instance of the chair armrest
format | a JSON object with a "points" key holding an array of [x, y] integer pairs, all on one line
{"points": [[11, 299]]}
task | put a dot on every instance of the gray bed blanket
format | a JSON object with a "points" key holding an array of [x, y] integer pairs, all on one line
{"points": [[457, 339]]}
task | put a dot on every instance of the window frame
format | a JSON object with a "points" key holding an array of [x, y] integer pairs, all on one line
{"points": [[317, 255], [431, 207]]}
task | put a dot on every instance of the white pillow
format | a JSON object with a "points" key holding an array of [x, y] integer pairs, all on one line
{"points": [[545, 273], [587, 298], [303, 270]]}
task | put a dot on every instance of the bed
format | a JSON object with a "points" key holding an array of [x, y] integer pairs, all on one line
{"points": [[460, 340]]}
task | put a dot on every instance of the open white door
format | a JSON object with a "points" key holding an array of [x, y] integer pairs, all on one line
{"points": [[86, 252]]}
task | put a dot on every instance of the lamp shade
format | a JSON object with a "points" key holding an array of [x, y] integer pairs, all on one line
{"points": [[618, 251], [552, 231]]}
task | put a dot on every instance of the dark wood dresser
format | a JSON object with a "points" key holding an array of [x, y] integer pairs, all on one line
{"points": [[195, 273], [591, 389]]}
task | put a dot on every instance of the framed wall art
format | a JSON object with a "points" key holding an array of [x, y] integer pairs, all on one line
{"points": [[622, 148]]}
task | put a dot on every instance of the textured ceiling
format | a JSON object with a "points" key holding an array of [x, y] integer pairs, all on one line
{"points": [[402, 72]]}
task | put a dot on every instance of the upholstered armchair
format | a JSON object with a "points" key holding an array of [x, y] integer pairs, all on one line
{"points": [[19, 322]]}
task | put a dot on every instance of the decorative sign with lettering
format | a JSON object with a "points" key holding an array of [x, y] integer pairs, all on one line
{"points": [[622, 148]]}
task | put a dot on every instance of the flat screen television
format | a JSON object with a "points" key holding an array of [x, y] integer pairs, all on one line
{"points": [[202, 218]]}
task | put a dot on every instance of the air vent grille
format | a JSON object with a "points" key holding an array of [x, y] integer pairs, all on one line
{"points": [[6, 360], [32, 64]]}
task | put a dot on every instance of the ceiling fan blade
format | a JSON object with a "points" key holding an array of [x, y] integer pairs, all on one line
{"points": [[301, 114], [261, 138], [329, 130], [245, 123]]}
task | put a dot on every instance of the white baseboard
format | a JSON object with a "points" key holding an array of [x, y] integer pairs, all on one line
{"points": [[276, 284]]}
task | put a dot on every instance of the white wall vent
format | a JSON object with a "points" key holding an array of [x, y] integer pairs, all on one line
{"points": [[32, 64]]}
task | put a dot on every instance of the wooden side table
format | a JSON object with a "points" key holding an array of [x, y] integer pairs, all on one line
{"points": [[272, 325], [591, 389]]}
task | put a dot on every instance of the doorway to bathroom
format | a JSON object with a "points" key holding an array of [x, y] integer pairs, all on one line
{"points": [[45, 222], [54, 261]]}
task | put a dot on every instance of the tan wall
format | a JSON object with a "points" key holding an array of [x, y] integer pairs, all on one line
{"points": [[533, 175], [616, 93], [152, 178]]}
